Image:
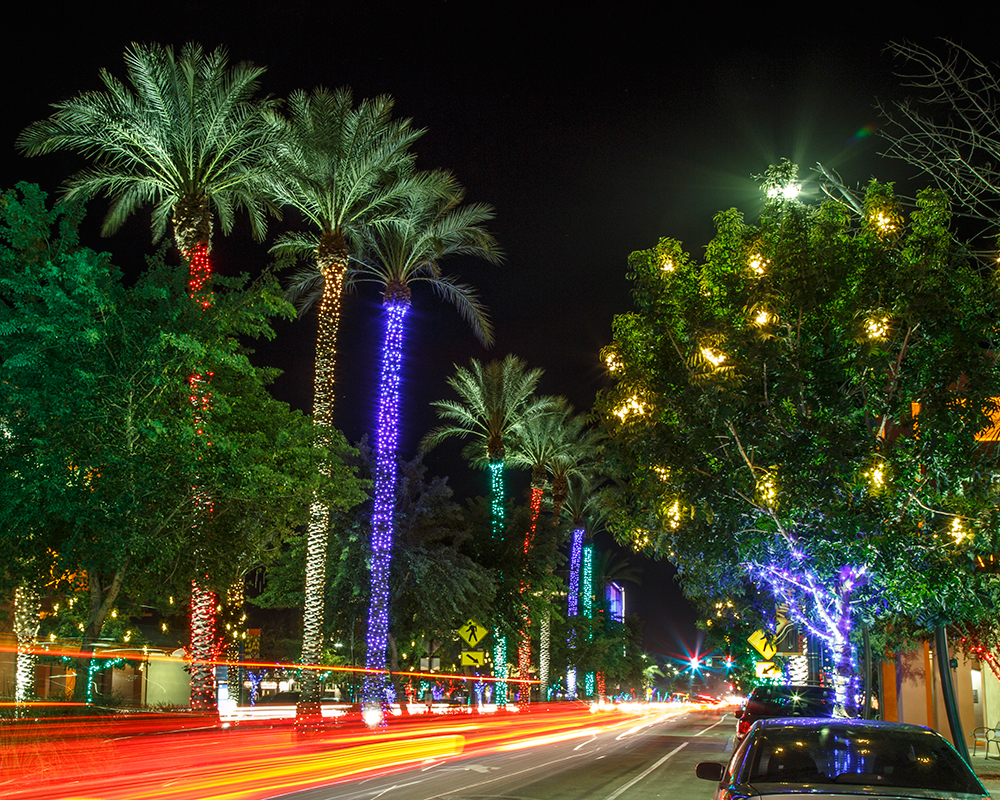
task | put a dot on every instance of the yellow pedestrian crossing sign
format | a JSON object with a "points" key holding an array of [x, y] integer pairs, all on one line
{"points": [[472, 632], [763, 644], [473, 658]]}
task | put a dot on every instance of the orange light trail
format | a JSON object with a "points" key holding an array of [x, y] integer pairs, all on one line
{"points": [[133, 654], [109, 759]]}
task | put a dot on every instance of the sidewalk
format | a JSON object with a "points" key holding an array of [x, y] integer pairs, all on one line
{"points": [[988, 770]]}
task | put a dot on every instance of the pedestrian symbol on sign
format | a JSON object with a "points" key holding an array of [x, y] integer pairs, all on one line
{"points": [[472, 632]]}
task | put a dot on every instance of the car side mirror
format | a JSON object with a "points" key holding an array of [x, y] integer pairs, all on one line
{"points": [[710, 771], [738, 713]]}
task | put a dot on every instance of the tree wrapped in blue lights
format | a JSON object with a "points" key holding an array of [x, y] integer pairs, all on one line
{"points": [[814, 399], [400, 251]]}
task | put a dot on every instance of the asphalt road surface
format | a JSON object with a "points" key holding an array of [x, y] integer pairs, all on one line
{"points": [[647, 761]]}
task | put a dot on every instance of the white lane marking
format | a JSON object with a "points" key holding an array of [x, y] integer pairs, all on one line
{"points": [[584, 744], [621, 790], [699, 733], [509, 775]]}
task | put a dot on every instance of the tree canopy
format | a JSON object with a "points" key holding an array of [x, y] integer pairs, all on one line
{"points": [[99, 444], [806, 415]]}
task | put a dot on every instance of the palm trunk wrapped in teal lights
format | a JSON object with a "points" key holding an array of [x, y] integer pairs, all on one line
{"points": [[386, 443], [499, 641]]}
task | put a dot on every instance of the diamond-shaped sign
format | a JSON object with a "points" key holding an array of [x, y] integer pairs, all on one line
{"points": [[472, 632], [763, 644]]}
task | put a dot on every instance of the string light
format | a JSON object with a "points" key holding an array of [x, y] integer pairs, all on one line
{"points": [[876, 475], [957, 531], [673, 515], [613, 362], [762, 317], [573, 601], [713, 356], [884, 223], [326, 348], [27, 619], [668, 265], [386, 443], [767, 490], [204, 646], [524, 646], [497, 518], [877, 327], [758, 264], [632, 406]]}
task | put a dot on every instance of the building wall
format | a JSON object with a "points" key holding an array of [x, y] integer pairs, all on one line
{"points": [[912, 692], [167, 682], [991, 698], [8, 651]]}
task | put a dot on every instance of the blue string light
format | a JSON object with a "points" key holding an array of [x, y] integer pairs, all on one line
{"points": [[386, 441]]}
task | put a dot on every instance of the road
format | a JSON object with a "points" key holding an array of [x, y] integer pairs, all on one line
{"points": [[645, 761]]}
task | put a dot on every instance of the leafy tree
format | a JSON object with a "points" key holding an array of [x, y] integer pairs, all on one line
{"points": [[806, 414], [99, 461], [191, 137]]}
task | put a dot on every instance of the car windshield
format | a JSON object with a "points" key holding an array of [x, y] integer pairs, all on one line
{"points": [[805, 701], [911, 759]]}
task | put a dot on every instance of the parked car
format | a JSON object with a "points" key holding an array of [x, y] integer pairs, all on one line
{"points": [[766, 702], [843, 758]]}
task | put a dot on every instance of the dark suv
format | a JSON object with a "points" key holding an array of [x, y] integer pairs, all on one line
{"points": [[766, 702]]}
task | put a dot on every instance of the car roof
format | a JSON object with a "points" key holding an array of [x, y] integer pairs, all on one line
{"points": [[838, 722]]}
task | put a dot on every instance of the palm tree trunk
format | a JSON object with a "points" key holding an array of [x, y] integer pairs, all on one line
{"points": [[192, 220], [386, 445], [27, 618], [524, 647], [499, 641], [331, 259], [573, 603]]}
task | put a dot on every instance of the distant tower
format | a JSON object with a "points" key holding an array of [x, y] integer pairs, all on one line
{"points": [[616, 601]]}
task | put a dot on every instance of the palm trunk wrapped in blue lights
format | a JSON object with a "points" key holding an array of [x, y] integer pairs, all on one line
{"points": [[573, 603], [386, 443]]}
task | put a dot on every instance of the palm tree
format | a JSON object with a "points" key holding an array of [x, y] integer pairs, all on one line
{"points": [[341, 167], [404, 250], [539, 442], [584, 506], [496, 401], [188, 136], [573, 460]]}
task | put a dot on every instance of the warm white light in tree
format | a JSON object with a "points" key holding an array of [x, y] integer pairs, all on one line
{"points": [[672, 513], [762, 317], [758, 263], [767, 490], [713, 356], [876, 475], [884, 223], [613, 362], [668, 265], [630, 407], [957, 531], [877, 327]]}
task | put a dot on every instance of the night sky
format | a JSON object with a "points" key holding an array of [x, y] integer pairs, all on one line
{"points": [[592, 133]]}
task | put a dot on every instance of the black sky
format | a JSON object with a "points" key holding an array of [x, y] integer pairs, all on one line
{"points": [[593, 133]]}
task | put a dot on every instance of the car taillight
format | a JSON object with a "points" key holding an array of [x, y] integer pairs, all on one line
{"points": [[743, 727]]}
